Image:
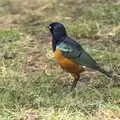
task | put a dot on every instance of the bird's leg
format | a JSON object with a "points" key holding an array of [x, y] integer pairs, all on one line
{"points": [[76, 76]]}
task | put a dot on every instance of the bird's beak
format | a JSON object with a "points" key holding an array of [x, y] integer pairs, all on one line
{"points": [[49, 27]]}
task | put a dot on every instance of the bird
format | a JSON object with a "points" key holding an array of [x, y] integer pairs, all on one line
{"points": [[70, 55]]}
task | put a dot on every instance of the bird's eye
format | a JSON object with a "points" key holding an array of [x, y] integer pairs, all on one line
{"points": [[49, 27]]}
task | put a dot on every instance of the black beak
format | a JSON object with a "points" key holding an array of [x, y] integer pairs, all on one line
{"points": [[49, 27]]}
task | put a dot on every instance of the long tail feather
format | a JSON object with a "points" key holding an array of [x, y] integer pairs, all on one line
{"points": [[108, 74]]}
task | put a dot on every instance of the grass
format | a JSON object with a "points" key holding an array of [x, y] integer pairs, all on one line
{"points": [[32, 85]]}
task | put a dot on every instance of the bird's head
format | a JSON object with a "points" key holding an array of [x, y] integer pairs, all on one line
{"points": [[57, 29], [58, 33]]}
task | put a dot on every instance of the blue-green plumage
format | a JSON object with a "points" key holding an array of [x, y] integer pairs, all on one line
{"points": [[71, 49], [77, 54]]}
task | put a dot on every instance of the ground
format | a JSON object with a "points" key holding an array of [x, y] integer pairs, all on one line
{"points": [[32, 85]]}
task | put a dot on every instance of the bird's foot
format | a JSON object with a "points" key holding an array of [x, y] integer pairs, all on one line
{"points": [[84, 79], [67, 84]]}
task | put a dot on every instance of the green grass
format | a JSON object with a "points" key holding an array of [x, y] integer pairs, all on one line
{"points": [[32, 85]]}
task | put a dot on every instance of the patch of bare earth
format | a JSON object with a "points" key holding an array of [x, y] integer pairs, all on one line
{"points": [[107, 114]]}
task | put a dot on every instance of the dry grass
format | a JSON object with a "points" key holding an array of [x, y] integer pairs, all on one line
{"points": [[32, 85]]}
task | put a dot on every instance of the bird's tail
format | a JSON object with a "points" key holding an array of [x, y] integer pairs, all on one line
{"points": [[108, 74]]}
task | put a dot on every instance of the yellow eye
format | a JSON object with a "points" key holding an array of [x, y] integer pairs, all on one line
{"points": [[49, 27]]}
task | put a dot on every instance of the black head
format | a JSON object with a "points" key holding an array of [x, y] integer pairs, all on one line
{"points": [[58, 33], [57, 29]]}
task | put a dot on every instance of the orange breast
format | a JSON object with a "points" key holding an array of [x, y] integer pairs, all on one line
{"points": [[67, 64]]}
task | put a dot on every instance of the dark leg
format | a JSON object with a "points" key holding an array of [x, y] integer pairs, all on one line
{"points": [[76, 76]]}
